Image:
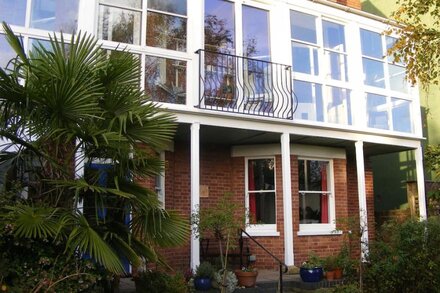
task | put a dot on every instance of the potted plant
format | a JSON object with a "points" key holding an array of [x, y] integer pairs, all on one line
{"points": [[330, 267], [247, 276], [203, 276], [311, 270]]}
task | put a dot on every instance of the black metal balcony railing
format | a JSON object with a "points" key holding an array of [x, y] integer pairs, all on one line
{"points": [[230, 83]]}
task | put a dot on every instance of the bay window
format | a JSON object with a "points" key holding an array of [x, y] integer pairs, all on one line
{"points": [[261, 195], [316, 196]]}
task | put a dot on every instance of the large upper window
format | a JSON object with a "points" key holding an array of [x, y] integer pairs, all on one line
{"points": [[388, 105], [260, 194], [316, 199], [51, 15], [166, 23], [319, 57]]}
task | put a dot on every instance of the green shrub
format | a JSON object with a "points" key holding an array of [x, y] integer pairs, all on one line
{"points": [[160, 282], [204, 270], [405, 259]]}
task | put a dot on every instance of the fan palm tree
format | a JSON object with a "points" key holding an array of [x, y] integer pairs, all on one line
{"points": [[70, 105]]}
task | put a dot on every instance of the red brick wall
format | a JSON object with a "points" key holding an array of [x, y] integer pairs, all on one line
{"points": [[351, 3], [222, 174]]}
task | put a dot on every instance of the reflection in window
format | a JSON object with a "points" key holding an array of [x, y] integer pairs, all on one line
{"points": [[373, 73], [401, 115], [261, 191], [377, 111], [314, 191], [397, 78], [172, 6], [166, 31], [338, 105], [119, 25], [304, 40], [371, 43], [13, 12], [55, 15], [127, 3], [6, 52], [337, 66], [219, 26], [165, 80], [256, 33], [310, 105]]}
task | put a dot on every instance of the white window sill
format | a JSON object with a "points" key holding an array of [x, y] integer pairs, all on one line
{"points": [[262, 233], [319, 233]]}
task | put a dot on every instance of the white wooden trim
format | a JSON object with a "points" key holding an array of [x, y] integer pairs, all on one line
{"points": [[195, 190], [287, 199], [421, 183], [363, 213]]}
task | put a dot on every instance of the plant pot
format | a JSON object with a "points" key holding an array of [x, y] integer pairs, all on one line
{"points": [[330, 275], [338, 273], [246, 279], [311, 275], [202, 283]]}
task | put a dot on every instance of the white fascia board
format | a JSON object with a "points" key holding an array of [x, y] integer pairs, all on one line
{"points": [[295, 149], [230, 120]]}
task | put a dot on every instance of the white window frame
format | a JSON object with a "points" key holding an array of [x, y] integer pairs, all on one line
{"points": [[330, 227], [260, 229]]}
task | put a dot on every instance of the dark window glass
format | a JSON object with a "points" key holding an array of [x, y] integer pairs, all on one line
{"points": [[219, 26], [172, 6]]}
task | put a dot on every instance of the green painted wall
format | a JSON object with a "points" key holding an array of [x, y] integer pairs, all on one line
{"points": [[392, 171]]}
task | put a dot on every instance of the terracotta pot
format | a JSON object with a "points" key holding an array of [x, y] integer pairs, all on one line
{"points": [[338, 273], [246, 279], [330, 275]]}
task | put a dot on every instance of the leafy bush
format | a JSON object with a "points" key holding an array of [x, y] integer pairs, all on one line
{"points": [[405, 259], [204, 270], [159, 282]]}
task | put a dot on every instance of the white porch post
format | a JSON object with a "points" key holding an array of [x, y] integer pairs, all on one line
{"points": [[195, 189], [363, 219], [420, 183], [287, 199]]}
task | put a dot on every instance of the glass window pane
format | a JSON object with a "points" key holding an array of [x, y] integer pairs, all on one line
{"points": [[303, 26], [219, 26], [13, 11], [313, 208], [338, 105], [165, 80], [55, 15], [37, 43], [6, 53], [305, 59], [397, 78], [261, 174], [373, 73], [401, 115], [125, 3], [256, 33], [173, 6], [337, 64], [262, 208], [166, 31], [334, 37], [310, 105], [313, 175], [119, 25], [377, 111], [371, 44]]}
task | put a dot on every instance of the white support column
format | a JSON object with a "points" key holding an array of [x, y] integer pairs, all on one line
{"points": [[363, 219], [287, 199], [195, 189], [420, 183]]}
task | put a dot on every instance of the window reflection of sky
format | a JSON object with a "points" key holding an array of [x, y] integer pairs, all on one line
{"points": [[223, 11], [13, 12], [6, 52], [256, 33], [59, 15]]}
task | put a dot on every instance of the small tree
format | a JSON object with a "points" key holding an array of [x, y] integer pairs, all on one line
{"points": [[223, 221]]}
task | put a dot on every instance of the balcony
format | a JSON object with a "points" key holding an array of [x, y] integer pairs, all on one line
{"points": [[242, 85]]}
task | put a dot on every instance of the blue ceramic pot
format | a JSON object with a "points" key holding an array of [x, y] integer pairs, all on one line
{"points": [[311, 275], [202, 284]]}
